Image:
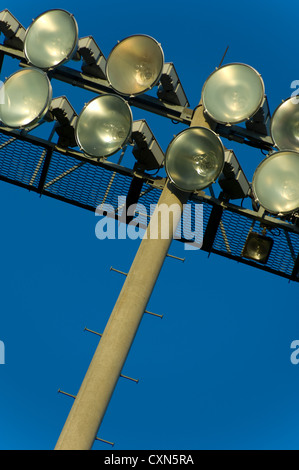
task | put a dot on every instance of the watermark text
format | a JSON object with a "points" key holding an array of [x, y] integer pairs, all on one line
{"points": [[2, 353], [295, 354], [165, 221]]}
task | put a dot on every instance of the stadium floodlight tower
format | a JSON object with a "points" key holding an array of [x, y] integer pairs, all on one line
{"points": [[105, 368], [194, 160]]}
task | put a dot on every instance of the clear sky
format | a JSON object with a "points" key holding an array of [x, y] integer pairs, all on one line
{"points": [[215, 372]]}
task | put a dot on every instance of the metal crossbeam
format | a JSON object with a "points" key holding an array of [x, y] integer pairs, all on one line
{"points": [[153, 181], [40, 158], [146, 102], [100, 86], [42, 184]]}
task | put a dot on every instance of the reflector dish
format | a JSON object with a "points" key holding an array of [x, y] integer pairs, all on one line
{"points": [[285, 126], [233, 93], [275, 182], [135, 65], [104, 126], [194, 159], [27, 96], [51, 39]]}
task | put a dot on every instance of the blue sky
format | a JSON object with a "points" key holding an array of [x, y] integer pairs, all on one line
{"points": [[215, 372]]}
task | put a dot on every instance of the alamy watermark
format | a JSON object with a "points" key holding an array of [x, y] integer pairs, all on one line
{"points": [[2, 353], [295, 93], [295, 354], [188, 224]]}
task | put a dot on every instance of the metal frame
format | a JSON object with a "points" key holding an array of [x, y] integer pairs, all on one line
{"points": [[167, 110], [146, 102], [226, 227], [216, 209]]}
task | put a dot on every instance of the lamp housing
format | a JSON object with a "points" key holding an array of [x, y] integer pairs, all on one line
{"points": [[135, 65], [194, 159], [257, 247], [104, 126], [233, 93], [275, 183], [51, 39], [26, 98], [285, 125]]}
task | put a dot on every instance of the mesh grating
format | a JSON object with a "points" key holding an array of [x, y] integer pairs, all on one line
{"points": [[25, 163], [232, 234], [83, 182], [20, 161]]}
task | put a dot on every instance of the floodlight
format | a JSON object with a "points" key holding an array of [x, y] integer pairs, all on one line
{"points": [[285, 125], [257, 247], [26, 99], [104, 126], [51, 39], [194, 159], [12, 29], [275, 183], [135, 65], [233, 93]]}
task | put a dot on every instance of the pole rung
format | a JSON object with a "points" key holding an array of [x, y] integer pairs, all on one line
{"points": [[175, 257], [154, 314], [91, 331], [103, 440], [129, 378], [117, 271], [65, 393]]}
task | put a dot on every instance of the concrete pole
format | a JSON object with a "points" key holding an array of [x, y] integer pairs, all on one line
{"points": [[87, 412]]}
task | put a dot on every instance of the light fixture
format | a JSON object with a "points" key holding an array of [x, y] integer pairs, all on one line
{"points": [[51, 39], [233, 93], [194, 159], [232, 180], [275, 183], [285, 125], [12, 29], [26, 97], [26, 102], [257, 247], [104, 126], [135, 65]]}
